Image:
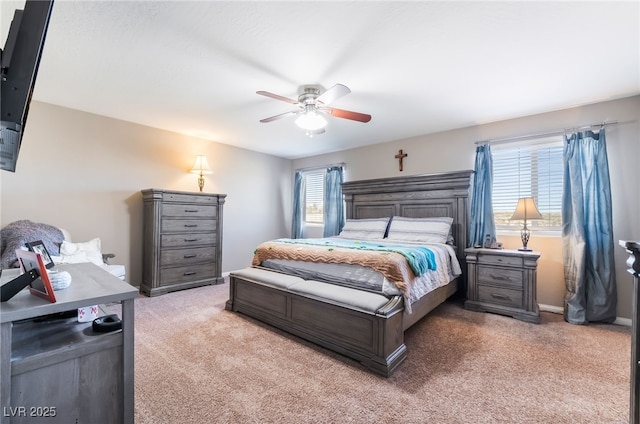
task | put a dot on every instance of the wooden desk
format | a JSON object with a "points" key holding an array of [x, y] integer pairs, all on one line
{"points": [[61, 371]]}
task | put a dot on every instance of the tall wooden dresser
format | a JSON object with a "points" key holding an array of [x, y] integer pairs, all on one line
{"points": [[182, 240]]}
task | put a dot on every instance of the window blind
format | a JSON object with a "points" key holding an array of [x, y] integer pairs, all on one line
{"points": [[314, 196], [531, 168]]}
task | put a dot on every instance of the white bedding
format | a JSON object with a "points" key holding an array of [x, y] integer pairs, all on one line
{"points": [[447, 269]]}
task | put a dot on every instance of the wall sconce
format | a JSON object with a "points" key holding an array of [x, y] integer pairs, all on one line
{"points": [[526, 209], [201, 167]]}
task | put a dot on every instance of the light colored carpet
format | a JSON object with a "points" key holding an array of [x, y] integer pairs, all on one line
{"points": [[197, 363]]}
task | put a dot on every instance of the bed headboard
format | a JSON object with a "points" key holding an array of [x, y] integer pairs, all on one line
{"points": [[416, 196]]}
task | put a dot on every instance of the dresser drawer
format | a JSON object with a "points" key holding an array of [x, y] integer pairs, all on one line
{"points": [[169, 257], [500, 296], [189, 211], [188, 198], [188, 240], [500, 260], [169, 276], [187, 225], [501, 276]]}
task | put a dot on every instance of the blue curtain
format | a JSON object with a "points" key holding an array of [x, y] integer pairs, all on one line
{"points": [[481, 213], [333, 202], [587, 230], [297, 221]]}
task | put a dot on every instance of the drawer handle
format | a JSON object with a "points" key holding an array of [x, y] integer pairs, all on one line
{"points": [[189, 256], [501, 278], [190, 225], [500, 296], [191, 210], [195, 239], [189, 273]]}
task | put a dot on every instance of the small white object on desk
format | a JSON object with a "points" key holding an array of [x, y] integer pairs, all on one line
{"points": [[59, 279]]}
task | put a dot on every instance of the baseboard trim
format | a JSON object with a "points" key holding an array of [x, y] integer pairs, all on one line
{"points": [[559, 310], [551, 308], [623, 321]]}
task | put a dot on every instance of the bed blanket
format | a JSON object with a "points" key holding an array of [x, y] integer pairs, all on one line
{"points": [[18, 233], [399, 264]]}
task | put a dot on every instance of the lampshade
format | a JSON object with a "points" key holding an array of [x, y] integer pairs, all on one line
{"points": [[201, 166], [311, 121], [527, 209]]}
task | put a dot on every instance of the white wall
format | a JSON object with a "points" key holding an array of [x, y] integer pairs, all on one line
{"points": [[455, 150], [84, 172]]}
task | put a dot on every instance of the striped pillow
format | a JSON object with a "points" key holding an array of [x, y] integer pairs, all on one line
{"points": [[364, 229], [420, 230]]}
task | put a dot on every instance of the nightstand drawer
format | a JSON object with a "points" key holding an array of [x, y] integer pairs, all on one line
{"points": [[502, 276], [500, 296], [501, 260]]}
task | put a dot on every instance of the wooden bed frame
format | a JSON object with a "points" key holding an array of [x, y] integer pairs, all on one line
{"points": [[374, 338]]}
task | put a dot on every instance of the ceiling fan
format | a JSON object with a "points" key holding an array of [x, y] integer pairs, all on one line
{"points": [[312, 105]]}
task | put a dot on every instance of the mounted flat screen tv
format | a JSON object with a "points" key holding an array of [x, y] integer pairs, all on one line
{"points": [[20, 61]]}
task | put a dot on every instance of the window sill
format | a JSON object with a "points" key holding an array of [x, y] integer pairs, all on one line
{"points": [[534, 233]]}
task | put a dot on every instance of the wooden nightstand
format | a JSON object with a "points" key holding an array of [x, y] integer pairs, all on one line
{"points": [[503, 282]]}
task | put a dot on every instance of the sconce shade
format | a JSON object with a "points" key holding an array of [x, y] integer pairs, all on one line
{"points": [[201, 166], [311, 121], [527, 209]]}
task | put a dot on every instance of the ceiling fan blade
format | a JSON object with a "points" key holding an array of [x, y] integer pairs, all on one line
{"points": [[333, 94], [347, 114], [277, 97], [282, 115]]}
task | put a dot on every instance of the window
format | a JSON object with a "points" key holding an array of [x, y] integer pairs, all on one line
{"points": [[532, 168], [314, 196]]}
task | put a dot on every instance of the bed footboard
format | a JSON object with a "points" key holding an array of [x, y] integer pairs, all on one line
{"points": [[370, 332]]}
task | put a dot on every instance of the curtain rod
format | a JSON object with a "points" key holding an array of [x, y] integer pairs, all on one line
{"points": [[544, 134], [311, 168]]}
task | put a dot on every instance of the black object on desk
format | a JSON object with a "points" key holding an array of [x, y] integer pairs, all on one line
{"points": [[11, 288]]}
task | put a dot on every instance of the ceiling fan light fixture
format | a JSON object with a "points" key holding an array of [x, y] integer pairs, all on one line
{"points": [[311, 121]]}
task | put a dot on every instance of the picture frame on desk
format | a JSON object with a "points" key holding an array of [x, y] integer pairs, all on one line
{"points": [[39, 247], [41, 286]]}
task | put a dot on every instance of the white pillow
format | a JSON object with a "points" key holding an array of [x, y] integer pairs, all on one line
{"points": [[76, 258], [420, 230], [364, 229], [91, 250]]}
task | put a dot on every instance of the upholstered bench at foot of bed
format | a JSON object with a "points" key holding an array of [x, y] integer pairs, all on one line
{"points": [[362, 325]]}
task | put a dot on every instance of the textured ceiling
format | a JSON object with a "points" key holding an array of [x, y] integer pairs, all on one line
{"points": [[416, 67]]}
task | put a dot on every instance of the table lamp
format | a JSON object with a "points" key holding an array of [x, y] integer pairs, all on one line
{"points": [[201, 167], [526, 209]]}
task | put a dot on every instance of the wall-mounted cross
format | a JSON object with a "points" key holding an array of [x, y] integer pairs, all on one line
{"points": [[401, 155]]}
